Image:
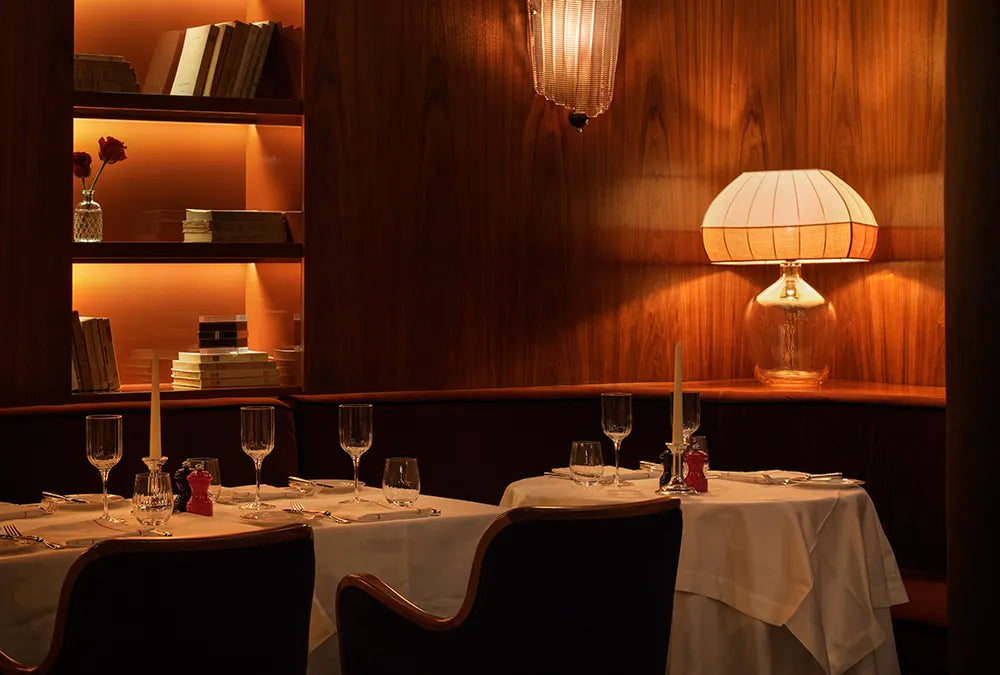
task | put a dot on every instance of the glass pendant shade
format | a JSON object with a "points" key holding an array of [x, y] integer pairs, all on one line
{"points": [[787, 218], [573, 46]]}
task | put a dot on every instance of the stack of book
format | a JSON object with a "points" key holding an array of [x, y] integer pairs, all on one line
{"points": [[289, 365], [224, 332], [224, 59], [220, 369], [95, 367], [266, 227], [100, 72]]}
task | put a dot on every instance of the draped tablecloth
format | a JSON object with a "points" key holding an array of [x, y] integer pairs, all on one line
{"points": [[426, 559], [805, 563]]}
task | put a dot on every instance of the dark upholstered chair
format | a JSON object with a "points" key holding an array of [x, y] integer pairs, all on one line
{"points": [[231, 604], [552, 590]]}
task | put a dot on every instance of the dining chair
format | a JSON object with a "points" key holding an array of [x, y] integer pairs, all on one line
{"points": [[559, 590], [229, 604]]}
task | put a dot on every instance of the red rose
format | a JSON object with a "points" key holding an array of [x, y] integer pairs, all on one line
{"points": [[112, 150], [81, 164]]}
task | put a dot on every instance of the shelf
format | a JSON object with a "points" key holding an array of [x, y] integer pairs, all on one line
{"points": [[160, 107], [175, 252], [141, 392]]}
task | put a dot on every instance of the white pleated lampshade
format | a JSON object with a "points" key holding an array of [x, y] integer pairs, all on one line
{"points": [[574, 51], [806, 215]]}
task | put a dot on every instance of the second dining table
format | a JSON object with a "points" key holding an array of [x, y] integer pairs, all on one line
{"points": [[772, 579]]}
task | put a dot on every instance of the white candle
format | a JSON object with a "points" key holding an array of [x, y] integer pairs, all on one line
{"points": [[154, 410], [677, 423]]}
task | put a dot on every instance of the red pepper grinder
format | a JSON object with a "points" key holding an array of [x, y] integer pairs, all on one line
{"points": [[696, 478], [199, 480]]}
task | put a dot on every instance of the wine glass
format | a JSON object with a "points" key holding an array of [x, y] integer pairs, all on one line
{"points": [[257, 438], [355, 437], [401, 481], [104, 450], [586, 465], [690, 413], [152, 499], [616, 420]]}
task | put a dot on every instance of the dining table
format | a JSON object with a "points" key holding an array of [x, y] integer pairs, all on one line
{"points": [[427, 558], [773, 578]]}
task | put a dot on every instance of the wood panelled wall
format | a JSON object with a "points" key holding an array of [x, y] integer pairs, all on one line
{"points": [[464, 235]]}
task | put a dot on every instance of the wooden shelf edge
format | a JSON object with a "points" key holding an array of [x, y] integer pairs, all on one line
{"points": [[159, 107], [141, 393], [176, 252]]}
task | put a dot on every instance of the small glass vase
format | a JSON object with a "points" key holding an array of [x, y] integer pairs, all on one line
{"points": [[88, 219]]}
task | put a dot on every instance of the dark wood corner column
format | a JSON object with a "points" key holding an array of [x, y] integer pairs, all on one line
{"points": [[972, 283]]}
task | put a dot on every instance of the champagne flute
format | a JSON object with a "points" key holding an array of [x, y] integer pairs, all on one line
{"points": [[355, 437], [616, 420], [257, 439], [104, 450]]}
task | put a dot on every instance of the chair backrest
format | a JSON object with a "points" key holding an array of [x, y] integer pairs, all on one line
{"points": [[229, 604], [561, 590]]}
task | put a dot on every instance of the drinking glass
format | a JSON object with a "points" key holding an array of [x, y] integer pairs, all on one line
{"points": [[355, 437], [211, 465], [401, 481], [586, 465], [104, 450], [616, 420], [690, 413], [257, 438], [152, 499]]}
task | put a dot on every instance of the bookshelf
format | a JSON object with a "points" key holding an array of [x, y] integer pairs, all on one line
{"points": [[203, 152]]}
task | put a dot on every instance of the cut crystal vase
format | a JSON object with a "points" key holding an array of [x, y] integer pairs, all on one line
{"points": [[88, 219]]}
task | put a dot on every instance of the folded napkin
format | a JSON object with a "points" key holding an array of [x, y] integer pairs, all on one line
{"points": [[19, 511], [245, 493], [369, 512], [609, 473], [86, 533], [768, 477]]}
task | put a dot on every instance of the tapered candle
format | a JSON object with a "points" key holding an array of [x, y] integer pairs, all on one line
{"points": [[677, 423], [154, 410]]}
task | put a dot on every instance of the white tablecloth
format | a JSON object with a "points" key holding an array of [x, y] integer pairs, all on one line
{"points": [[812, 562], [427, 559]]}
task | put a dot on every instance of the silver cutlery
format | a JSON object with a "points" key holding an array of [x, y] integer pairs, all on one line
{"points": [[65, 498], [162, 533], [296, 479], [14, 533], [835, 475], [298, 508]]}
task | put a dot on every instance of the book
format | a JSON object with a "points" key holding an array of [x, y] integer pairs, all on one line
{"points": [[108, 349], [100, 72], [249, 48], [234, 55], [218, 50], [234, 216], [263, 46], [233, 356], [163, 63], [81, 356], [189, 64], [222, 325], [229, 343], [221, 318], [206, 61], [74, 377], [215, 382], [210, 375], [222, 334], [221, 367], [92, 336]]}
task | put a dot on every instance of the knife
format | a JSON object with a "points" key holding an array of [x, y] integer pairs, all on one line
{"points": [[64, 498], [296, 479]]}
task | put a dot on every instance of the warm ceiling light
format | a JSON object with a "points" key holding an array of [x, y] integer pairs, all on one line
{"points": [[574, 50], [787, 218]]}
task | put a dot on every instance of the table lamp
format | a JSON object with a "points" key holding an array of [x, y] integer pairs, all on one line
{"points": [[788, 218]]}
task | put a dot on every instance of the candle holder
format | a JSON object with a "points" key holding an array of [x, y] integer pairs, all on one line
{"points": [[154, 464], [676, 485]]}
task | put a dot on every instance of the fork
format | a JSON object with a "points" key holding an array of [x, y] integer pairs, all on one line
{"points": [[14, 533], [298, 508]]}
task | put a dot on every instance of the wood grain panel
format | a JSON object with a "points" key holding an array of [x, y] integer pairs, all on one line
{"points": [[463, 235], [35, 223]]}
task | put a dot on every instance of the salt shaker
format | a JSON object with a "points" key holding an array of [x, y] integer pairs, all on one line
{"points": [[200, 502], [696, 478]]}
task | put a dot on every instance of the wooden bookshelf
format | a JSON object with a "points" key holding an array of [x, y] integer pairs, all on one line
{"points": [[141, 392], [163, 108], [175, 252]]}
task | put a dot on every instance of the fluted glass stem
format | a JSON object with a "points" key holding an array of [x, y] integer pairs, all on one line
{"points": [[104, 493], [357, 489]]}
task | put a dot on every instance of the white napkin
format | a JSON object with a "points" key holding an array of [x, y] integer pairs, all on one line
{"points": [[86, 533], [768, 477], [366, 513], [18, 511], [245, 493], [609, 473]]}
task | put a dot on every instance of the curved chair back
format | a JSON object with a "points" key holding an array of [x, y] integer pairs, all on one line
{"points": [[574, 590], [228, 604]]}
